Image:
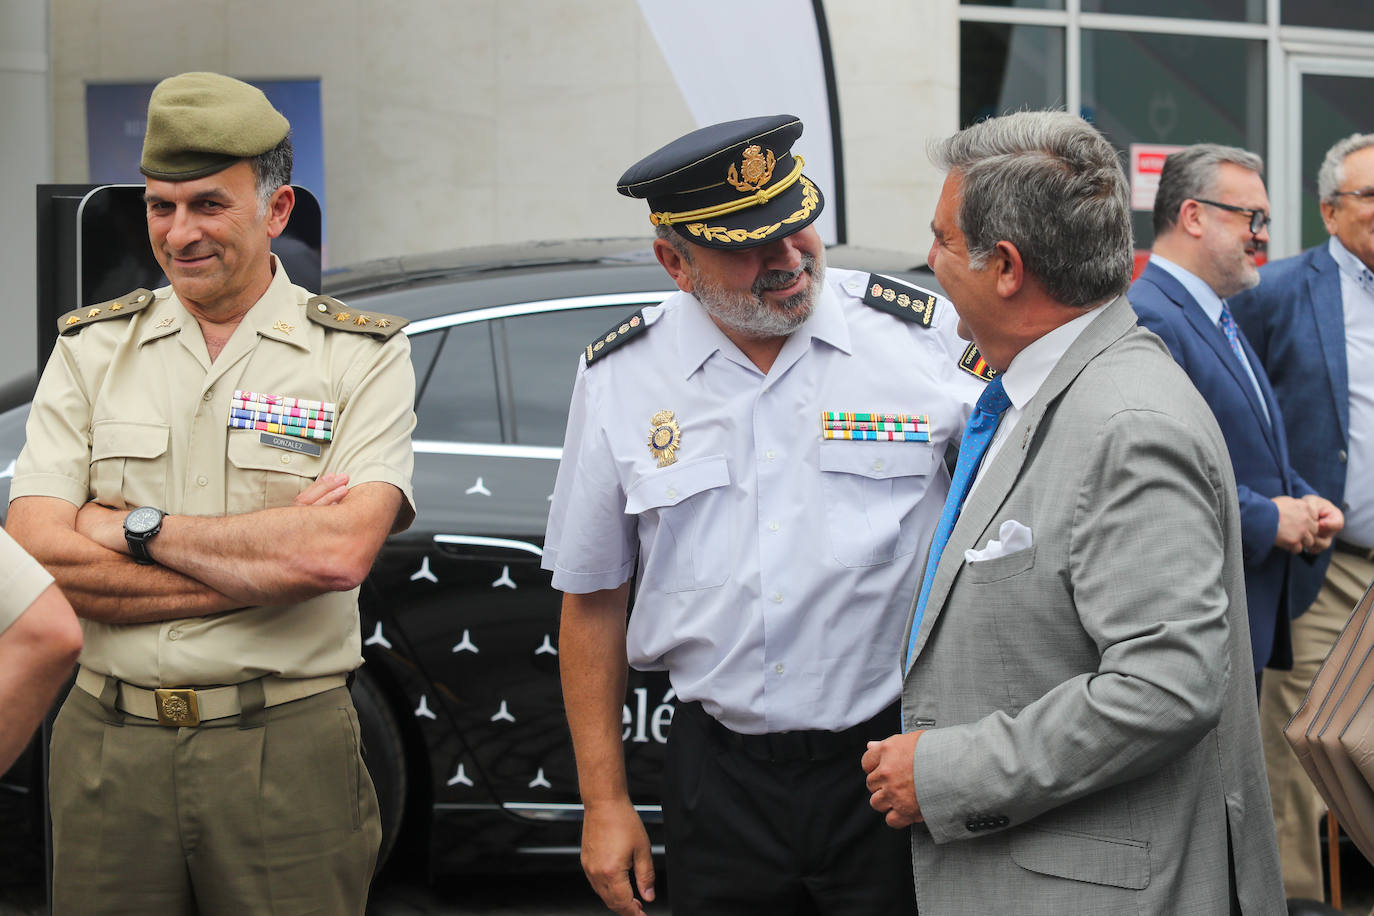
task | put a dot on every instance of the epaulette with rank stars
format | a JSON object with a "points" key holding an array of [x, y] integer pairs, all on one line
{"points": [[126, 305], [624, 330], [973, 363], [907, 302], [333, 314]]}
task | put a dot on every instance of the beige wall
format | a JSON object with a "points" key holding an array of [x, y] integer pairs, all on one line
{"points": [[463, 122]]}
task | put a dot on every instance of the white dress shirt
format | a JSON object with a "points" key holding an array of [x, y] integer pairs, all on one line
{"points": [[1357, 301], [775, 567]]}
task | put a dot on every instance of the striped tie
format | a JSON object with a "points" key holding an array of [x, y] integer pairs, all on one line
{"points": [[982, 424]]}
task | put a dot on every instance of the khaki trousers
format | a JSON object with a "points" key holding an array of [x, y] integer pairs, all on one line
{"points": [[268, 812], [1298, 808]]}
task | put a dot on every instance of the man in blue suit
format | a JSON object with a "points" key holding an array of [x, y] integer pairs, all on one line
{"points": [[1311, 321], [1211, 216]]}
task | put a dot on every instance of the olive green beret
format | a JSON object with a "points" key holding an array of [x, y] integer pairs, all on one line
{"points": [[202, 123]]}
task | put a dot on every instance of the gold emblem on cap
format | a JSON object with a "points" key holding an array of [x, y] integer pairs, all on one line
{"points": [[664, 437], [283, 327], [756, 170]]}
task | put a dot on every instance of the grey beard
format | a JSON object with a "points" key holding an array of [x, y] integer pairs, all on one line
{"points": [[748, 314]]}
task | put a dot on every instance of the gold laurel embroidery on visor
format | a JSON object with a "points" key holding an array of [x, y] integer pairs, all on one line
{"points": [[810, 197], [761, 196]]}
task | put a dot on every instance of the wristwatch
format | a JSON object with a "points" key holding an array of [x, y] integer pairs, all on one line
{"points": [[140, 527]]}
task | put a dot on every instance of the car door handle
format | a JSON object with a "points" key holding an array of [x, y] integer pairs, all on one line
{"points": [[477, 546]]}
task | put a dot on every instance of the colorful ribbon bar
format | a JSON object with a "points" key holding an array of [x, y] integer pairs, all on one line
{"points": [[281, 429], [278, 400], [879, 435], [875, 417], [261, 407], [917, 426], [266, 417]]}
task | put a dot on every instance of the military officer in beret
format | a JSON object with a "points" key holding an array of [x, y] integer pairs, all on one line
{"points": [[211, 468], [763, 451]]}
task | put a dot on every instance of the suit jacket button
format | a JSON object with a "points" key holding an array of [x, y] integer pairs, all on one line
{"points": [[1003, 820], [971, 825], [1340, 456]]}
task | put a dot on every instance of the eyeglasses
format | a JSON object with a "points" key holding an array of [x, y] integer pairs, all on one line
{"points": [[1364, 195], [1258, 218]]}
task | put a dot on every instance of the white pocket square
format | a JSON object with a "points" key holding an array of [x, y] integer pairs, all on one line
{"points": [[1011, 537]]}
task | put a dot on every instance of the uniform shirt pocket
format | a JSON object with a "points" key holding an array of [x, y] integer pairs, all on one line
{"points": [[871, 491], [265, 477], [692, 542], [129, 463]]}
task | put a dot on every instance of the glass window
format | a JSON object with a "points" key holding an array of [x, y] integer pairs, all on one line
{"points": [[457, 400], [1005, 68], [1333, 107], [1225, 10], [1327, 15], [541, 351], [1019, 4], [1173, 89]]}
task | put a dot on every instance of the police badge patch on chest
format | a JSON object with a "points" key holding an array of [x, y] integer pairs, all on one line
{"points": [[664, 437]]}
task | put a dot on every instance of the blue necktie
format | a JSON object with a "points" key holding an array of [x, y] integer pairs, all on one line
{"points": [[1228, 327], [982, 424]]}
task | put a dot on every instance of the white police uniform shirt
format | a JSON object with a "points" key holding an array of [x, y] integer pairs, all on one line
{"points": [[775, 567]]}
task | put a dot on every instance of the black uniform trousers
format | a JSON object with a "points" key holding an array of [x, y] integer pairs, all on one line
{"points": [[779, 824]]}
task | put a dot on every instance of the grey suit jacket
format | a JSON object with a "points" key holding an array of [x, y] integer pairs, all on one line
{"points": [[1093, 743]]}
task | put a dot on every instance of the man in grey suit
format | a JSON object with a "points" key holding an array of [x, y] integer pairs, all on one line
{"points": [[1079, 721]]}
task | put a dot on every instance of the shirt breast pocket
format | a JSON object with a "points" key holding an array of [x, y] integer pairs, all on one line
{"points": [[129, 463], [871, 491], [265, 477], [691, 547]]}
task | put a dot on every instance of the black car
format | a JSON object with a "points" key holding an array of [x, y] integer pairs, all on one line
{"points": [[459, 697]]}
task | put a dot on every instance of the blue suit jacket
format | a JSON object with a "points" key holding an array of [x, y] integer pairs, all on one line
{"points": [[1259, 449], [1296, 321]]}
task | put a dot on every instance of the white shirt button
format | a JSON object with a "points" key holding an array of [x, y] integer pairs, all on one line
{"points": [[773, 526], [878, 465], [285, 459], [173, 634], [777, 597], [203, 480], [779, 668], [671, 493], [770, 454]]}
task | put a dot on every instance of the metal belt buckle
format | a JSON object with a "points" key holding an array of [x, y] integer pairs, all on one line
{"points": [[177, 707]]}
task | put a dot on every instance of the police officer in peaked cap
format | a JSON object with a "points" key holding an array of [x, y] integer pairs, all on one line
{"points": [[763, 451], [211, 468]]}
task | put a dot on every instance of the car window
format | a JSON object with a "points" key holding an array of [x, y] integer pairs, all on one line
{"points": [[541, 352], [456, 401]]}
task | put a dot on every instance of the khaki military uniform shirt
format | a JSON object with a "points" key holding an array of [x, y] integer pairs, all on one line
{"points": [[22, 580], [131, 412]]}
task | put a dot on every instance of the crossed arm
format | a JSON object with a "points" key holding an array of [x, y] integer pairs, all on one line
{"points": [[325, 541]]}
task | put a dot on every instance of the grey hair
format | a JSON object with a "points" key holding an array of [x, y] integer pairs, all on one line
{"points": [[1331, 175], [271, 170], [1192, 173], [672, 237], [1050, 184]]}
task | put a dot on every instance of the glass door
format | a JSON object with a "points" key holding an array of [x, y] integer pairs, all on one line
{"points": [[1328, 98]]}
